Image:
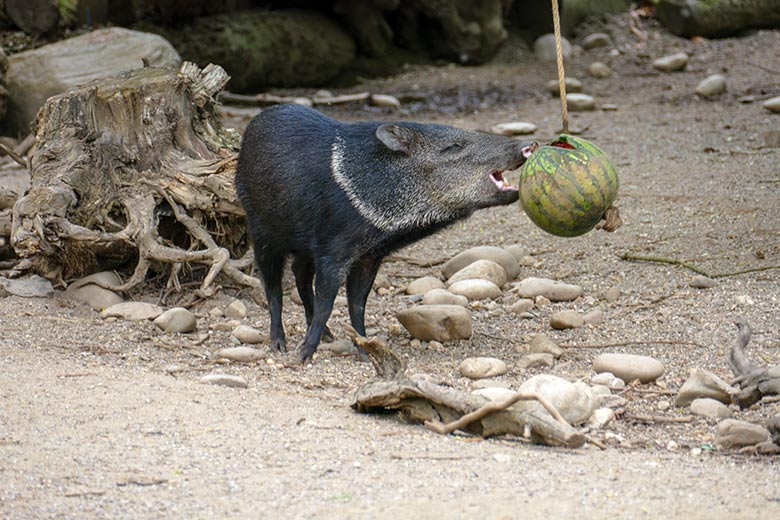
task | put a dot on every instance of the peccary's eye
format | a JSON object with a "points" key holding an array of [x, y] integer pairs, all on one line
{"points": [[454, 147]]}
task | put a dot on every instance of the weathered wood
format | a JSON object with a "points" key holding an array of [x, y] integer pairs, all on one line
{"points": [[338, 100], [493, 407], [754, 382], [423, 401], [5, 150], [261, 100], [134, 171]]}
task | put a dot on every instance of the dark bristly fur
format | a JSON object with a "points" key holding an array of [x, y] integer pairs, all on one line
{"points": [[339, 197]]}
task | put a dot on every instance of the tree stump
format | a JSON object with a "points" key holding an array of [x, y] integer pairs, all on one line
{"points": [[134, 171]]}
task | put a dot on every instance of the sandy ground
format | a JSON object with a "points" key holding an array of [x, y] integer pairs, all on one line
{"points": [[95, 421]]}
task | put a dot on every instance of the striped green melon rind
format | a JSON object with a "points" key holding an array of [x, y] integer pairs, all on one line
{"points": [[566, 191]]}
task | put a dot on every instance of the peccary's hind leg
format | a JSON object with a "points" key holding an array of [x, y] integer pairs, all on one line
{"points": [[359, 282], [271, 266], [326, 286], [303, 269]]}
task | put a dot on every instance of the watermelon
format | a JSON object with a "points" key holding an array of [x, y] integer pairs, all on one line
{"points": [[566, 186]]}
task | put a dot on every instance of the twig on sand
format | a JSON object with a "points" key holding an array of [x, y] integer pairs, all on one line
{"points": [[631, 343], [658, 418], [423, 262], [695, 269]]}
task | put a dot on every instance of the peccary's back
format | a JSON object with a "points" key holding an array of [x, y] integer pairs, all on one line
{"points": [[283, 175]]}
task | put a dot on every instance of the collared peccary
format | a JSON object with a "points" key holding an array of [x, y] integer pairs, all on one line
{"points": [[339, 197]]}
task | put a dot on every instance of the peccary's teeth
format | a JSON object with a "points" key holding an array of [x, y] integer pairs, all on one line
{"points": [[498, 179]]}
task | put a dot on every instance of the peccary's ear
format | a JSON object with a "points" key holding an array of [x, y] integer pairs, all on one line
{"points": [[397, 138]]}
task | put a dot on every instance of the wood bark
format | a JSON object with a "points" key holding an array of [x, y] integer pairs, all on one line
{"points": [[136, 172]]}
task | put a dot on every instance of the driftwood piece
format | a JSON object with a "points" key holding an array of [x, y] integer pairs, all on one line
{"points": [[493, 407], [444, 409], [754, 382], [134, 171]]}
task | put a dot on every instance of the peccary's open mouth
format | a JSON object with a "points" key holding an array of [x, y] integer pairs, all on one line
{"points": [[501, 183], [497, 176]]}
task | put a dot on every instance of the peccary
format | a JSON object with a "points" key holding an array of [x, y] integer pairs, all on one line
{"points": [[339, 197]]}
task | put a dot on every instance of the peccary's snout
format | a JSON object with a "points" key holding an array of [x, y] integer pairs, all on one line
{"points": [[523, 151], [517, 153]]}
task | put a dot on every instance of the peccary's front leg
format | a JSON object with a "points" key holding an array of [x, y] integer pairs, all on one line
{"points": [[359, 283], [303, 268], [326, 287]]}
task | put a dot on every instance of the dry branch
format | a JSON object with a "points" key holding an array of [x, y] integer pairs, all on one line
{"points": [[345, 98], [25, 146], [13, 155], [694, 268], [261, 100], [754, 382], [422, 262], [423, 401], [658, 418]]}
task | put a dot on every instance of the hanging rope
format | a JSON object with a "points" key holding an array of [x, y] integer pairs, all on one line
{"points": [[559, 59]]}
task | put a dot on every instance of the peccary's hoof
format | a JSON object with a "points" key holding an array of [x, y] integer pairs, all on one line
{"points": [[327, 335], [305, 354], [279, 345]]}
